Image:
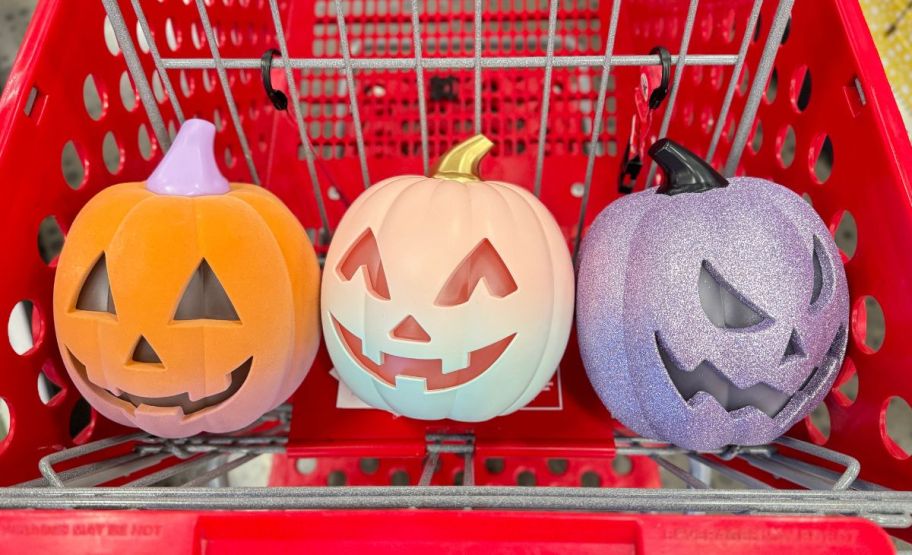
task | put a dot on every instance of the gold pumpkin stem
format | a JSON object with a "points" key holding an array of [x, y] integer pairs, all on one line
{"points": [[461, 162]]}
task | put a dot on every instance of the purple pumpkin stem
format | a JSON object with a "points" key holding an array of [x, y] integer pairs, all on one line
{"points": [[189, 168]]}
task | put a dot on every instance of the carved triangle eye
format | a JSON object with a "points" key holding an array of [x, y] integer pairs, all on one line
{"points": [[364, 252], [95, 295], [822, 272], [205, 298], [723, 305], [483, 262]]}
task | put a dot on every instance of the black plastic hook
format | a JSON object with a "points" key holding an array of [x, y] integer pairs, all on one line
{"points": [[685, 172], [277, 97], [630, 170], [632, 161], [658, 95]]}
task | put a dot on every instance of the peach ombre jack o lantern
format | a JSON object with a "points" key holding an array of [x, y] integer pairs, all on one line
{"points": [[186, 303], [447, 296]]}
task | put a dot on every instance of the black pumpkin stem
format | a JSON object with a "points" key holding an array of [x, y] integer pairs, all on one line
{"points": [[685, 172]]}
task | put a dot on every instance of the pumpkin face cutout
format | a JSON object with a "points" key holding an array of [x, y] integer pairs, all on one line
{"points": [[710, 311], [448, 296], [163, 314]]}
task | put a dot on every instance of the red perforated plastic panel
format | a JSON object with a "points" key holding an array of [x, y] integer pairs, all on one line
{"points": [[407, 531]]}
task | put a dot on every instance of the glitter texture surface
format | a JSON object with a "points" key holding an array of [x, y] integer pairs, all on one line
{"points": [[639, 270]]}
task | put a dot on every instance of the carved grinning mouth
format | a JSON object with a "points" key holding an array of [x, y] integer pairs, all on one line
{"points": [[431, 370], [708, 378], [188, 406]]}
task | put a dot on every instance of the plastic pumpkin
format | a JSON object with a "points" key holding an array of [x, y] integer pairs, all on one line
{"points": [[447, 296], [186, 304], [710, 311]]}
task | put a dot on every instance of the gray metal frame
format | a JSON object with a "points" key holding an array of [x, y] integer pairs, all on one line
{"points": [[207, 458], [348, 63]]}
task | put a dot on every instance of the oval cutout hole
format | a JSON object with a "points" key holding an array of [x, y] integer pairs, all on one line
{"points": [[91, 98], [111, 151], [897, 416], [399, 478], [127, 93], [868, 324], [72, 166], [846, 234], [50, 239], [6, 422], [822, 159], [48, 389], [80, 419], [24, 327], [786, 143]]}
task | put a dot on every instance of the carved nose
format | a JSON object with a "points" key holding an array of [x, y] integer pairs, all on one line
{"points": [[143, 352], [410, 330], [793, 348]]}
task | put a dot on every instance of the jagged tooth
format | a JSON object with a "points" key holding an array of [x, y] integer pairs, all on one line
{"points": [[455, 362], [373, 353], [197, 394]]}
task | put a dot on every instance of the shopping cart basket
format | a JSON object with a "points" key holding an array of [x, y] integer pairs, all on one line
{"points": [[794, 93]]}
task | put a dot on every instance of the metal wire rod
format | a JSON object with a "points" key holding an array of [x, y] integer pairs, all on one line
{"points": [[146, 96], [490, 62], [730, 472], [419, 81], [97, 477], [676, 82], [226, 89], [46, 464], [761, 77], [173, 470], [438, 437], [156, 57], [645, 446], [735, 77], [214, 440], [779, 469], [299, 119], [430, 466], [679, 472], [831, 475], [468, 469], [352, 93], [220, 470], [851, 464], [891, 499], [546, 97], [478, 83], [890, 505], [72, 473], [597, 124]]}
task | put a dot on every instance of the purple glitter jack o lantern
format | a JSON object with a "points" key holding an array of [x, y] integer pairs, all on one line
{"points": [[710, 311]]}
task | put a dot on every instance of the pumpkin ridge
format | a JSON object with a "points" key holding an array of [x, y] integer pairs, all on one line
{"points": [[641, 406], [304, 353], [503, 189], [274, 242], [543, 218], [116, 232]]}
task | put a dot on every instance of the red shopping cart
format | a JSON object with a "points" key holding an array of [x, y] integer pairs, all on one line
{"points": [[794, 93]]}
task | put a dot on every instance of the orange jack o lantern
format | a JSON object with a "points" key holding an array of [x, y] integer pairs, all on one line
{"points": [[187, 304]]}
